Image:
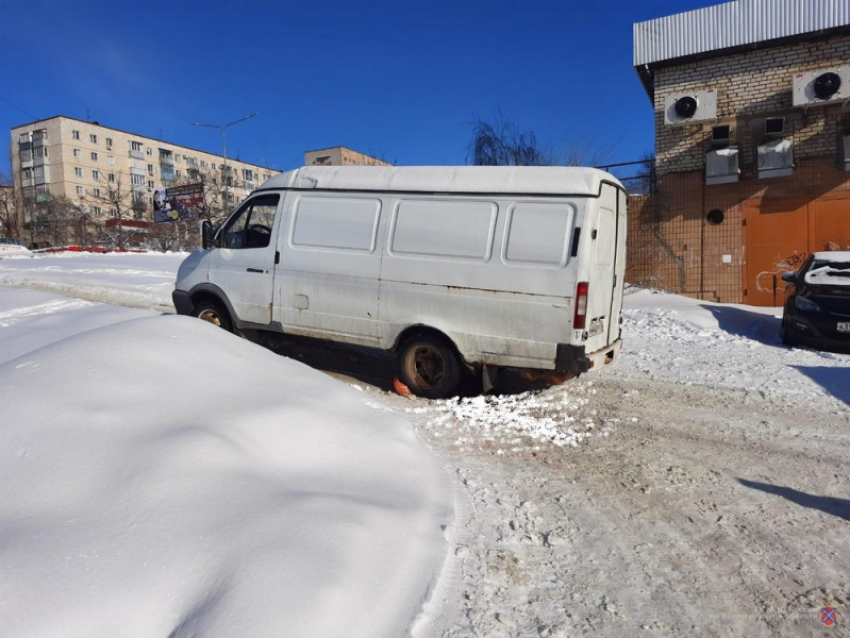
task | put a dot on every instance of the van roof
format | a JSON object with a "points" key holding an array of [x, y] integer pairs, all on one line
{"points": [[527, 180]]}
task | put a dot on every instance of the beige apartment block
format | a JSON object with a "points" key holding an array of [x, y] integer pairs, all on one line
{"points": [[65, 157], [340, 156]]}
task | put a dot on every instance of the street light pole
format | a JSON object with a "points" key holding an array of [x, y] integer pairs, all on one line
{"points": [[224, 128]]}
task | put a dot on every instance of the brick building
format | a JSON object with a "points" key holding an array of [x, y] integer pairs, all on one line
{"points": [[752, 129]]}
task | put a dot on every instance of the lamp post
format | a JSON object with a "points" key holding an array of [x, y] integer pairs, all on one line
{"points": [[224, 128]]}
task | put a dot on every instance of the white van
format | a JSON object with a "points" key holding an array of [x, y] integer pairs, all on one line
{"points": [[455, 269]]}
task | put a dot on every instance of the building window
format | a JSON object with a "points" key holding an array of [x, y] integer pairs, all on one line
{"points": [[26, 174], [98, 210], [81, 192], [179, 173], [230, 198], [114, 212], [164, 154], [26, 156], [150, 169], [149, 151], [247, 174], [95, 175], [94, 157], [108, 142], [150, 184], [112, 177], [203, 163], [75, 135], [78, 171], [136, 146], [110, 159], [24, 138], [93, 138], [138, 180], [39, 171], [95, 192], [212, 166], [78, 153]]}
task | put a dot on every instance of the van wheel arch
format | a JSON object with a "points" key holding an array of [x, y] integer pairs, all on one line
{"points": [[423, 330]]}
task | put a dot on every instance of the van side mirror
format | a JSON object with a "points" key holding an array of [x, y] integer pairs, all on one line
{"points": [[206, 235], [789, 277]]}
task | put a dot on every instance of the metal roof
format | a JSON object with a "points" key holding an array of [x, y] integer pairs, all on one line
{"points": [[734, 24], [542, 180]]}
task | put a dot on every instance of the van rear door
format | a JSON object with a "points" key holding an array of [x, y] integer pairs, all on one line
{"points": [[604, 278]]}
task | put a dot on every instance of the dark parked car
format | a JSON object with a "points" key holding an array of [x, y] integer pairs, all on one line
{"points": [[817, 303]]}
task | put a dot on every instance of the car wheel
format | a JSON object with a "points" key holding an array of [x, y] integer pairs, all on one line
{"points": [[786, 338], [215, 313], [429, 367]]}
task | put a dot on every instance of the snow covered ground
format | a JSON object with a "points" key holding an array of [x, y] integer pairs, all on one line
{"points": [[143, 280], [696, 487], [159, 477]]}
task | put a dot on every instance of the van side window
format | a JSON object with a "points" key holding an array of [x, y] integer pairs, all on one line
{"points": [[251, 226], [538, 234], [444, 229]]}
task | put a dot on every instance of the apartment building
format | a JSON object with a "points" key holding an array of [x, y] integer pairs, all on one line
{"points": [[340, 156], [111, 173], [752, 143]]}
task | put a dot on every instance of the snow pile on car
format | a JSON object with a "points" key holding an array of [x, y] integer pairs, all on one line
{"points": [[161, 477]]}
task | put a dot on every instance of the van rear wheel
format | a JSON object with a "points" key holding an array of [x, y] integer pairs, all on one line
{"points": [[215, 313], [429, 367]]}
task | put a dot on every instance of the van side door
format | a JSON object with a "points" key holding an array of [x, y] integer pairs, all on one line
{"points": [[328, 279], [242, 262]]}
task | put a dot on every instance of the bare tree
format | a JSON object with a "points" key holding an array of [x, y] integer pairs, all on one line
{"points": [[119, 201], [10, 223], [501, 142]]}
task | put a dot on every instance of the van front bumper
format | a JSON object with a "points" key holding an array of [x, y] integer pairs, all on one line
{"points": [[182, 302], [570, 358]]}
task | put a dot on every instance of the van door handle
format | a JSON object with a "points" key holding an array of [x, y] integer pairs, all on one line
{"points": [[259, 270]]}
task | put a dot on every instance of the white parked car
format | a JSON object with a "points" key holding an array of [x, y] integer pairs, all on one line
{"points": [[452, 268]]}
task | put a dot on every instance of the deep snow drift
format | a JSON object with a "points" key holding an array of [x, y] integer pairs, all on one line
{"points": [[160, 477]]}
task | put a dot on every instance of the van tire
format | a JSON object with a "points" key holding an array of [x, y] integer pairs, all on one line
{"points": [[214, 313], [429, 366]]}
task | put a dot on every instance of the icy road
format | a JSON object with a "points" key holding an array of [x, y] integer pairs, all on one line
{"points": [[697, 487]]}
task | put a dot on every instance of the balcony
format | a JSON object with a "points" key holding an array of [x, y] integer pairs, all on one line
{"points": [[137, 154]]}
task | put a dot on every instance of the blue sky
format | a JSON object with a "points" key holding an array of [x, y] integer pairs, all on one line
{"points": [[399, 79]]}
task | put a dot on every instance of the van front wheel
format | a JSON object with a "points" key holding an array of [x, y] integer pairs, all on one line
{"points": [[429, 367], [215, 313]]}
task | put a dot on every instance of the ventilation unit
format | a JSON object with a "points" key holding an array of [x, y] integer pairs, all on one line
{"points": [[823, 86], [776, 158], [689, 108], [721, 166]]}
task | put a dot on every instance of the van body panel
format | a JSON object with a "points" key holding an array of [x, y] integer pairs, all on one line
{"points": [[361, 255], [328, 278], [486, 326]]}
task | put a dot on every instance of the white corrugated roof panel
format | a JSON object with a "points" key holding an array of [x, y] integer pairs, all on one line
{"points": [[529, 180], [733, 24]]}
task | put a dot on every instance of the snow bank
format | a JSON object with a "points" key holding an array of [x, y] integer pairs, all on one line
{"points": [[136, 279], [688, 341], [163, 478]]}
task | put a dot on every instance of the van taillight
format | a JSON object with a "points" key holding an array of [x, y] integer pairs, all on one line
{"points": [[581, 306]]}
